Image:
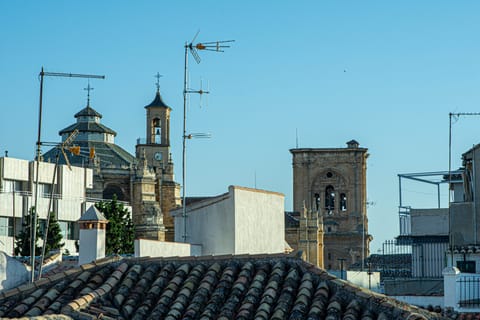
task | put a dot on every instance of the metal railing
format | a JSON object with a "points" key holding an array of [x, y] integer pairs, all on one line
{"points": [[468, 291]]}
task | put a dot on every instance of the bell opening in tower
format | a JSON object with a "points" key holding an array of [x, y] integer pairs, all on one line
{"points": [[157, 131]]}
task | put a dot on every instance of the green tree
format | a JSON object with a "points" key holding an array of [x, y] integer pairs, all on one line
{"points": [[54, 236], [120, 233], [23, 242]]}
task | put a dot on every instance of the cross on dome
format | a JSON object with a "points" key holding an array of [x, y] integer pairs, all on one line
{"points": [[88, 89]]}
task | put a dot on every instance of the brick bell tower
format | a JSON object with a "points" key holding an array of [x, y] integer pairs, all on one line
{"points": [[154, 150]]}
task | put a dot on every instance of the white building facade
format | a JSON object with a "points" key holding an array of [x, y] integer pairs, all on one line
{"points": [[17, 197]]}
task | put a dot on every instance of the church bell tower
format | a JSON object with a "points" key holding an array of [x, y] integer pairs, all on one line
{"points": [[154, 150], [157, 142]]}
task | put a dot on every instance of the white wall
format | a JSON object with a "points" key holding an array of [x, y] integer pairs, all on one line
{"points": [[360, 278], [12, 272], [421, 301], [429, 222], [241, 221], [152, 248], [210, 223], [14, 169], [92, 245], [259, 221]]}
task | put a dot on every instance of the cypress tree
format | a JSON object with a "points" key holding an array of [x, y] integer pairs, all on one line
{"points": [[54, 237], [23, 241], [120, 233]]}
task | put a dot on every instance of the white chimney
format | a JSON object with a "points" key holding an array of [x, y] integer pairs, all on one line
{"points": [[93, 227]]}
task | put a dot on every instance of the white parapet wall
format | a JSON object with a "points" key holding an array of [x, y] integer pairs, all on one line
{"points": [[153, 248], [241, 221], [259, 221]]}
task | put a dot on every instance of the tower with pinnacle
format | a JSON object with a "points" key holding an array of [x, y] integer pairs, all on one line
{"points": [[154, 154]]}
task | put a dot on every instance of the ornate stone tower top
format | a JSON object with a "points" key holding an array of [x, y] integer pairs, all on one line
{"points": [[332, 182], [157, 141]]}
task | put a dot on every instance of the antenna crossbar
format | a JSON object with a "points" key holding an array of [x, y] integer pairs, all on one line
{"points": [[71, 75]]}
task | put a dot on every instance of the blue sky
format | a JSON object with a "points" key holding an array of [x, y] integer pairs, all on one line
{"points": [[385, 73]]}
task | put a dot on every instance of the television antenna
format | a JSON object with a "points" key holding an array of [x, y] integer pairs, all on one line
{"points": [[193, 48], [33, 219], [65, 145]]}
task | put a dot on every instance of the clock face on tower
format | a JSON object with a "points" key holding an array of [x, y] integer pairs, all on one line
{"points": [[158, 156]]}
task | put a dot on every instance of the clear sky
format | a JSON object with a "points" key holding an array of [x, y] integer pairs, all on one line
{"points": [[385, 73]]}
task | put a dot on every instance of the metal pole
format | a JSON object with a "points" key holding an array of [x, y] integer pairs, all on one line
{"points": [[449, 185], [33, 218], [369, 276], [438, 195], [14, 231], [363, 241], [33, 222], [474, 177], [45, 236], [184, 156], [400, 189]]}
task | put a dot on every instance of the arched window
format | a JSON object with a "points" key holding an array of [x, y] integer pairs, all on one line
{"points": [[329, 198], [157, 131], [111, 190], [317, 201], [343, 202]]}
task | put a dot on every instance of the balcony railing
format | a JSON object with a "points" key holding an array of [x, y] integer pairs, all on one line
{"points": [[468, 291]]}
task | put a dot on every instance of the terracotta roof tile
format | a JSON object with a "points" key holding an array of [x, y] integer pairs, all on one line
{"points": [[262, 287]]}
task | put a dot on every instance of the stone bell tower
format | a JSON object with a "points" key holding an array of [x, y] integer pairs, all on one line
{"points": [[155, 150], [147, 215], [332, 183]]}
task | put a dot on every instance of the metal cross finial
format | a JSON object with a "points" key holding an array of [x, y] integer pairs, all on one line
{"points": [[158, 76], [88, 88]]}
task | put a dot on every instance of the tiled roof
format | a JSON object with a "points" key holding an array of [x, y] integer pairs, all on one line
{"points": [[87, 111], [225, 287], [108, 153], [92, 214], [87, 127], [157, 102], [465, 249]]}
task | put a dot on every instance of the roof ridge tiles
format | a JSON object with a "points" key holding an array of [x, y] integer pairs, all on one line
{"points": [[221, 287], [85, 300]]}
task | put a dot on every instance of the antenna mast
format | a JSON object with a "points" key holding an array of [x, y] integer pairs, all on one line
{"points": [[217, 46], [33, 219]]}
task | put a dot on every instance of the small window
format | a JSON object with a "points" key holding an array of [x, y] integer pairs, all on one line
{"points": [[466, 266], [6, 226], [329, 174], [329, 256], [329, 229], [42, 223], [343, 202], [69, 230], [157, 131], [44, 190], [12, 185], [317, 201], [329, 198]]}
